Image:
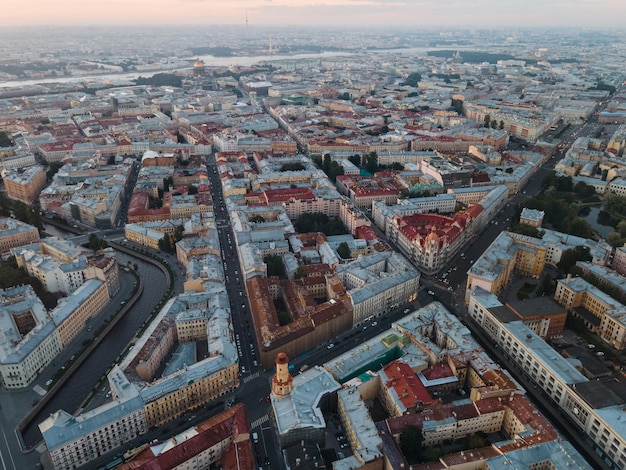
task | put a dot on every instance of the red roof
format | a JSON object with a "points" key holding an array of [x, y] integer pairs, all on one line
{"points": [[438, 371], [408, 387], [229, 424]]}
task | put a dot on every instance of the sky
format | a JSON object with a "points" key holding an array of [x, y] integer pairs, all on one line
{"points": [[419, 13]]}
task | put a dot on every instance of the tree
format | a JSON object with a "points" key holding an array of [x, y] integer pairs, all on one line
{"points": [[191, 189], [546, 286], [529, 230], [295, 166], [179, 232], [614, 239], [326, 164], [167, 183], [501, 125], [571, 256], [274, 265], [457, 105], [494, 124], [5, 140], [335, 170], [487, 120], [165, 244], [411, 440], [343, 250], [371, 164], [355, 160], [97, 243], [413, 79], [300, 272], [53, 169]]}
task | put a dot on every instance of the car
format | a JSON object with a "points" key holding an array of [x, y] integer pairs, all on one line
{"points": [[374, 323], [407, 310], [330, 346], [364, 327], [34, 402], [430, 293], [49, 382], [255, 363]]}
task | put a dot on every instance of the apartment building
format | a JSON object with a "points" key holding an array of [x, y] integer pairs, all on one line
{"points": [[139, 405], [26, 185], [600, 313], [596, 407], [14, 233]]}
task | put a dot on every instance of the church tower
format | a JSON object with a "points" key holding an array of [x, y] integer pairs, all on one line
{"points": [[282, 380]]}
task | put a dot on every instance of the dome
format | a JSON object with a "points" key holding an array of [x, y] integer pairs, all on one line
{"points": [[198, 64]]}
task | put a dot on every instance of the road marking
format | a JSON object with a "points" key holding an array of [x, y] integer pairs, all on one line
{"points": [[258, 422], [250, 377]]}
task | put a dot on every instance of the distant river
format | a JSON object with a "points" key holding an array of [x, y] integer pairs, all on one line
{"points": [[211, 61]]}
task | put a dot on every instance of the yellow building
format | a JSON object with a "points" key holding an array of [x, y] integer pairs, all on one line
{"points": [[509, 252], [188, 396], [25, 186], [86, 302], [14, 233]]}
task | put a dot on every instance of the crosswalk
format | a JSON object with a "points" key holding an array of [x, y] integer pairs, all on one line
{"points": [[250, 377], [258, 422]]}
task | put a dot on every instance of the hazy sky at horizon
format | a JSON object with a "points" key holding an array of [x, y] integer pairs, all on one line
{"points": [[479, 13]]}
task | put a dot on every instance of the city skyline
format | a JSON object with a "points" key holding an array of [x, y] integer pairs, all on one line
{"points": [[484, 13]]}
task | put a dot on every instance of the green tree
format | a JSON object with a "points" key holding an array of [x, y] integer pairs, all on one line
{"points": [[179, 231], [494, 124], [487, 120], [614, 239], [53, 169], [546, 286], [335, 170], [413, 79], [411, 440], [571, 256], [5, 140], [501, 125], [191, 189], [168, 183], [295, 166], [343, 250], [371, 164], [529, 230], [165, 244], [355, 159], [274, 266], [326, 165], [457, 106], [300, 272], [97, 243]]}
